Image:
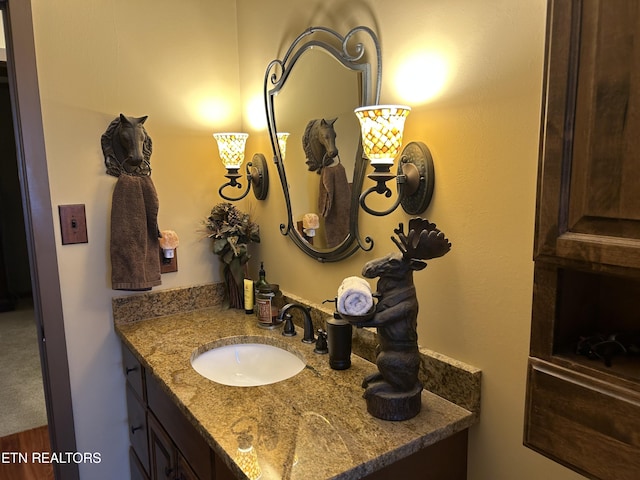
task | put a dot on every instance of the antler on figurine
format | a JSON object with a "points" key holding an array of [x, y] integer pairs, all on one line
{"points": [[424, 241]]}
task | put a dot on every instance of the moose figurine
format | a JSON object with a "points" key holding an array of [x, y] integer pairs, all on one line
{"points": [[394, 392]]}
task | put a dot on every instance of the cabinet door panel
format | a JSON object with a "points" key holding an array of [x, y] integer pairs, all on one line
{"points": [[137, 470], [604, 196], [589, 200], [133, 372], [162, 452], [591, 426], [185, 472], [138, 427], [188, 440]]}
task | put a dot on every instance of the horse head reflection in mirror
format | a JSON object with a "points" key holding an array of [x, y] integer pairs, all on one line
{"points": [[319, 143]]}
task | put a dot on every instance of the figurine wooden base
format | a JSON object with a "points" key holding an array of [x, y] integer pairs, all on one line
{"points": [[392, 405]]}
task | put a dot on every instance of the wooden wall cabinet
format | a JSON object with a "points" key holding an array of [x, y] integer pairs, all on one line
{"points": [[584, 410]]}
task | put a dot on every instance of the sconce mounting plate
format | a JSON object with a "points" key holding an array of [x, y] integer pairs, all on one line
{"points": [[259, 176], [417, 155]]}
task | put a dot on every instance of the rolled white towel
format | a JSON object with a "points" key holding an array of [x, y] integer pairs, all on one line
{"points": [[354, 296]]}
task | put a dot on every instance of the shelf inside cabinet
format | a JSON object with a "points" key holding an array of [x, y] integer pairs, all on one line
{"points": [[597, 324], [624, 369]]}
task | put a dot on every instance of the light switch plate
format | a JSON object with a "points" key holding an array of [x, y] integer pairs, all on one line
{"points": [[73, 224]]}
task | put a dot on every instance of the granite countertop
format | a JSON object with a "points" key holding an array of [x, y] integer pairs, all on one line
{"points": [[313, 425]]}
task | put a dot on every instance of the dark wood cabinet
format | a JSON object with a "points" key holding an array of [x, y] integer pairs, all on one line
{"points": [[164, 445], [167, 461], [162, 452], [583, 387], [138, 472]]}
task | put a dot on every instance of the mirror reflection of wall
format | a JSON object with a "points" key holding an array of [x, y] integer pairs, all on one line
{"points": [[319, 88]]}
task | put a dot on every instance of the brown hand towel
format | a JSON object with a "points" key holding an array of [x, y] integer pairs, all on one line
{"points": [[334, 203], [135, 258]]}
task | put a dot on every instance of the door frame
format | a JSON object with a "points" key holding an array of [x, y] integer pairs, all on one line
{"points": [[39, 225]]}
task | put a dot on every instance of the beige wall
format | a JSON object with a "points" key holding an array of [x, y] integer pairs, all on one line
{"points": [[97, 58], [483, 132]]}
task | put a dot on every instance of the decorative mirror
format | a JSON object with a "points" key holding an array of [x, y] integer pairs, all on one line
{"points": [[310, 94]]}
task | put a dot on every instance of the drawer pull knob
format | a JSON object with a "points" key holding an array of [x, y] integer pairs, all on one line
{"points": [[135, 429], [128, 370]]}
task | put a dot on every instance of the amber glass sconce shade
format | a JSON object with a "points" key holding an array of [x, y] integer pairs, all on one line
{"points": [[231, 149], [382, 128]]}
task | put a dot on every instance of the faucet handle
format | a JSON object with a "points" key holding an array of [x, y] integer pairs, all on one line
{"points": [[289, 327], [321, 342]]}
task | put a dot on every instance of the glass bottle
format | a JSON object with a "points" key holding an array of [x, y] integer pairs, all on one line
{"points": [[262, 277], [261, 282], [264, 305]]}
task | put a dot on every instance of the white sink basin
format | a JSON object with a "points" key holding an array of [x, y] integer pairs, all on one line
{"points": [[247, 364]]}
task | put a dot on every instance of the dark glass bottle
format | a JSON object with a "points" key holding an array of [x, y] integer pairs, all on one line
{"points": [[262, 277], [261, 282]]}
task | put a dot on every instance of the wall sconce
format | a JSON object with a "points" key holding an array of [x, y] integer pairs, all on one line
{"points": [[231, 148], [382, 128]]}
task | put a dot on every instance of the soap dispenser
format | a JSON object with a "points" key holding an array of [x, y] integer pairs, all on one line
{"points": [[339, 342]]}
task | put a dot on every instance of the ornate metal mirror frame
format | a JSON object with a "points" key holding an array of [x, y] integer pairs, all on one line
{"points": [[350, 52]]}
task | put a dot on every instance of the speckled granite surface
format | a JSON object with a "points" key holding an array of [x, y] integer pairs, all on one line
{"points": [[141, 306], [313, 425], [456, 381]]}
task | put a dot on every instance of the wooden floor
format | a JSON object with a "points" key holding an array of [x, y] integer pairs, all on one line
{"points": [[16, 455]]}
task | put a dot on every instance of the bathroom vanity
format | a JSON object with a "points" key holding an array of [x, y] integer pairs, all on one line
{"points": [[313, 425]]}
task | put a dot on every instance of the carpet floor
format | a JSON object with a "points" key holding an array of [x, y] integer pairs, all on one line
{"points": [[22, 404]]}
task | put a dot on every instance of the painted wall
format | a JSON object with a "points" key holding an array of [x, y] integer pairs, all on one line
{"points": [[179, 66], [198, 67], [482, 127]]}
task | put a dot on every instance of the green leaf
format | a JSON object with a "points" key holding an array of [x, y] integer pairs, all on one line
{"points": [[219, 245]]}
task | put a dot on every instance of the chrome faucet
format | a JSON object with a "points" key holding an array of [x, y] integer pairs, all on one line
{"points": [[289, 328]]}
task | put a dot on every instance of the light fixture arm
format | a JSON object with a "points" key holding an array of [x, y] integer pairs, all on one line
{"points": [[257, 176], [414, 180], [381, 176], [233, 177]]}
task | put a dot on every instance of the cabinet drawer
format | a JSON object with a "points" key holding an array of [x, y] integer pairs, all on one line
{"points": [[588, 425], [134, 372], [137, 471], [188, 440], [138, 427]]}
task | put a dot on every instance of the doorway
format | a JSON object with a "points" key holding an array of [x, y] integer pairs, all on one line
{"points": [[21, 389], [31, 164]]}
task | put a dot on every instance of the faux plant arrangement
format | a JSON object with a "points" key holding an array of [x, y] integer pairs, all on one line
{"points": [[231, 231]]}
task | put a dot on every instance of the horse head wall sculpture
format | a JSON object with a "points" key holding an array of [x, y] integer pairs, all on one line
{"points": [[394, 392], [127, 147]]}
